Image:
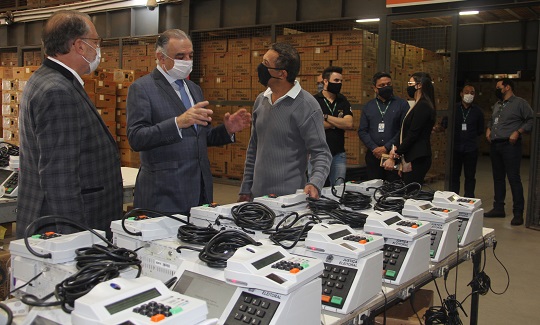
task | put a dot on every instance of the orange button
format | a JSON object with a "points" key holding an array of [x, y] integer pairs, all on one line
{"points": [[157, 317], [414, 226], [325, 298], [363, 241], [445, 211], [294, 270], [49, 233]]}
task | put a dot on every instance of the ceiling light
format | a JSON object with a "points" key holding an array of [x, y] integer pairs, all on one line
{"points": [[368, 20], [467, 13]]}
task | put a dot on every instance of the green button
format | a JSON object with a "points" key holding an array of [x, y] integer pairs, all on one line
{"points": [[336, 300], [391, 273], [431, 252], [304, 265], [206, 205], [459, 238], [131, 218], [419, 224], [36, 236], [370, 238], [176, 310]]}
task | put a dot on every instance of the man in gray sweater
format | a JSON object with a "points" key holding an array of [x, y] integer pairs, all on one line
{"points": [[287, 129]]}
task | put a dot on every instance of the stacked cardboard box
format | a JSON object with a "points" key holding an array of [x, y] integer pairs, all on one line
{"points": [[8, 59]]}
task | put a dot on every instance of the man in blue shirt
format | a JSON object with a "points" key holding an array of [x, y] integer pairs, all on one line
{"points": [[380, 124]]}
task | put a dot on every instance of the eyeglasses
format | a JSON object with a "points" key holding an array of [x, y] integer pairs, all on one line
{"points": [[97, 40]]}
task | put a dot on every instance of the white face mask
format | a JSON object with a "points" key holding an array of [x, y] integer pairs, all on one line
{"points": [[181, 68], [468, 98], [95, 63]]}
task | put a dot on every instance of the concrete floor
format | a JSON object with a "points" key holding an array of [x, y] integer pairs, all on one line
{"points": [[518, 249]]}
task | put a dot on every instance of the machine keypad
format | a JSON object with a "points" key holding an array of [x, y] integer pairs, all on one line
{"points": [[393, 260], [252, 309], [336, 284]]}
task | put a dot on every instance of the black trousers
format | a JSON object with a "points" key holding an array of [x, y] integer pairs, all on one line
{"points": [[465, 161], [506, 162], [375, 171], [420, 167]]}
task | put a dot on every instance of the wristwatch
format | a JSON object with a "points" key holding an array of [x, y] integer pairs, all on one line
{"points": [[325, 117]]}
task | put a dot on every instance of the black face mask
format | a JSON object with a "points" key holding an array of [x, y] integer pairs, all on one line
{"points": [[264, 74], [386, 92], [411, 90], [333, 87], [499, 94]]}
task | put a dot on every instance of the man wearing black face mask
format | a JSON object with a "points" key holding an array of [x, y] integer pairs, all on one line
{"points": [[287, 129], [512, 116], [380, 124], [337, 118]]}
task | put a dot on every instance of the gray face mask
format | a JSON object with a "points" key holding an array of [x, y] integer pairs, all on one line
{"points": [[320, 86]]}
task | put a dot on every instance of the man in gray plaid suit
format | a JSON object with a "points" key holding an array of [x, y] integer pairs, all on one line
{"points": [[168, 123], [69, 162]]}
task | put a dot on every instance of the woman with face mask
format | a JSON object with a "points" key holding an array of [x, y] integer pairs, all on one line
{"points": [[414, 148]]}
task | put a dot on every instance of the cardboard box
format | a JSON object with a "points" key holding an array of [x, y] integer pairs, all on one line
{"points": [[348, 38], [215, 70], [240, 94], [122, 88], [121, 116], [105, 100], [105, 87], [240, 69], [403, 314], [215, 94], [121, 101], [327, 53], [316, 39], [313, 67], [238, 57], [239, 44], [214, 46], [296, 40], [261, 43], [107, 114], [241, 82]]}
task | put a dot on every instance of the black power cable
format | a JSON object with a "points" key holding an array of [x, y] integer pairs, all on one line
{"points": [[251, 215], [6, 150], [287, 231], [223, 245], [352, 200], [193, 234], [95, 264]]}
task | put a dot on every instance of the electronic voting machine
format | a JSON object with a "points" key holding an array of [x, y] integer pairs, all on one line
{"points": [[352, 261], [262, 285], [471, 214], [406, 248], [137, 301], [444, 226]]}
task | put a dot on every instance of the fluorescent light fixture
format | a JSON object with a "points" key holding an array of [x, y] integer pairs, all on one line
{"points": [[467, 13], [368, 20]]}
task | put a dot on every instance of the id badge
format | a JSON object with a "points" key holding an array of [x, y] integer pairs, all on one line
{"points": [[464, 127], [381, 127], [496, 121]]}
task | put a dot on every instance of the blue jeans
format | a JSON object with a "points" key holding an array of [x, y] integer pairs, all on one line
{"points": [[338, 168]]}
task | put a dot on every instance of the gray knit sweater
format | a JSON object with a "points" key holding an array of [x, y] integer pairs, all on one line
{"points": [[282, 137]]}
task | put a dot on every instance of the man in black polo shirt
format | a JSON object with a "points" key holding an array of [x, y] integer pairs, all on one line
{"points": [[468, 126], [380, 125], [512, 116], [337, 118]]}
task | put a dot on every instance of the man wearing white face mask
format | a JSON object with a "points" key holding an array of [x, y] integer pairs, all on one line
{"points": [[468, 126], [167, 122], [69, 162]]}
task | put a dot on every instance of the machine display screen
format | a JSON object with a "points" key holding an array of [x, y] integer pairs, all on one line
{"points": [[216, 293], [425, 206], [132, 301], [267, 260], [453, 198], [339, 234], [4, 174], [392, 220]]}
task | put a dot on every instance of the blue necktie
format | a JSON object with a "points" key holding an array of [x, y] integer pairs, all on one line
{"points": [[184, 97]]}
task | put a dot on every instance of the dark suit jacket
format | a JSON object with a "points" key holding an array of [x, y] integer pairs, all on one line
{"points": [[175, 171], [417, 127], [69, 162]]}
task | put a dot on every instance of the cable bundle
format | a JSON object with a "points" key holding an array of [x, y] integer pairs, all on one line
{"points": [[352, 200], [351, 218], [252, 215], [196, 235], [323, 204], [6, 150], [141, 214], [287, 231], [392, 195], [222, 246], [95, 264]]}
